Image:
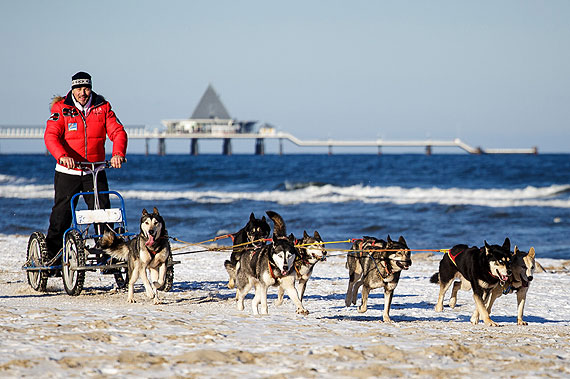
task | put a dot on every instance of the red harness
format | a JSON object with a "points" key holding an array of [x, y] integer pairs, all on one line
{"points": [[452, 257]]}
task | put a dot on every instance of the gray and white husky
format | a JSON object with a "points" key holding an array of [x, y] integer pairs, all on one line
{"points": [[311, 251], [148, 250], [270, 265], [375, 263]]}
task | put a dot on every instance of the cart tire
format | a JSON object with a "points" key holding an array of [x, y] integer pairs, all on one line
{"points": [[37, 256], [169, 277], [73, 256]]}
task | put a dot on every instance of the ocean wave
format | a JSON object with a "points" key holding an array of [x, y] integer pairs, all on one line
{"points": [[521, 197], [13, 180]]}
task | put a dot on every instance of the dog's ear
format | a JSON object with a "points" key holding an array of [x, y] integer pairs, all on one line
{"points": [[531, 252], [144, 212], [263, 219], [507, 244], [486, 248], [516, 250], [317, 236], [251, 217], [305, 235], [402, 240], [292, 238], [155, 210], [389, 239]]}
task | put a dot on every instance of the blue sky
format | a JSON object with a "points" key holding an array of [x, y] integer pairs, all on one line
{"points": [[493, 73]]}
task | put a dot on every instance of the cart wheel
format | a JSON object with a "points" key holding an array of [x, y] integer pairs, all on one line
{"points": [[37, 255], [169, 279], [73, 257]]}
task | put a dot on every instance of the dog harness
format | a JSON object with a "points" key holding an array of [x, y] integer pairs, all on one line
{"points": [[452, 257]]}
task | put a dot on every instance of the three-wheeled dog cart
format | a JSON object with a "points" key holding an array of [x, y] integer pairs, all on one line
{"points": [[80, 252]]}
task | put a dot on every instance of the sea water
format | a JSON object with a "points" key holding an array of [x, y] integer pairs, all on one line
{"points": [[433, 201]]}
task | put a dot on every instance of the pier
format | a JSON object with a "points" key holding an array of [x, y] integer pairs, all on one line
{"points": [[140, 132]]}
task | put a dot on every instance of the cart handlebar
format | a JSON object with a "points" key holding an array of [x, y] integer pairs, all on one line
{"points": [[95, 166]]}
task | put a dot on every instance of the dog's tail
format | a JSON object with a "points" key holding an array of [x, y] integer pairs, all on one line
{"points": [[279, 228], [115, 247], [434, 278]]}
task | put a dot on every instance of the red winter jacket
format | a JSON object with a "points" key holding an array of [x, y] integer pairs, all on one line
{"points": [[70, 134]]}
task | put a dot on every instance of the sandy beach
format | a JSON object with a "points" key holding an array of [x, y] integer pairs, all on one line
{"points": [[198, 332]]}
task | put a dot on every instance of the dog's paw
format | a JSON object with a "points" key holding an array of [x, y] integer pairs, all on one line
{"points": [[131, 301], [231, 283], [362, 309], [452, 303], [302, 311], [439, 308], [521, 322], [278, 302]]}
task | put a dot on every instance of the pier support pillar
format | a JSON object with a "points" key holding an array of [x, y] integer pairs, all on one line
{"points": [[330, 150], [379, 150], [428, 150], [227, 148], [194, 146], [280, 146], [161, 146], [146, 148], [259, 146]]}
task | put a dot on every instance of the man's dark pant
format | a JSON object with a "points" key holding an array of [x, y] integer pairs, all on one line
{"points": [[66, 186]]}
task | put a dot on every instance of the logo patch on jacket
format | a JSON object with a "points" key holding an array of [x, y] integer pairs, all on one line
{"points": [[70, 112], [72, 126], [54, 117]]}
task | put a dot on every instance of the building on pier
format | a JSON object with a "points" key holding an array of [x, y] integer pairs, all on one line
{"points": [[209, 117]]}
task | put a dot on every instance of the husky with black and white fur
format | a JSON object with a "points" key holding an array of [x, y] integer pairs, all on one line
{"points": [[522, 268], [271, 265], [482, 268], [311, 250]]}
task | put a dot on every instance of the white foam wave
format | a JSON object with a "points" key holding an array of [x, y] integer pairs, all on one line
{"points": [[521, 197]]}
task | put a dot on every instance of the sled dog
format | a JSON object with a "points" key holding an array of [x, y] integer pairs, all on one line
{"points": [[270, 265], [311, 250], [254, 231], [522, 268], [483, 268], [147, 250], [376, 269]]}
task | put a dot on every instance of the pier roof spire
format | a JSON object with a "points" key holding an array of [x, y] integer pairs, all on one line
{"points": [[210, 106]]}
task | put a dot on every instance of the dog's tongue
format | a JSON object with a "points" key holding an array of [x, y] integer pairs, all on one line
{"points": [[150, 241]]}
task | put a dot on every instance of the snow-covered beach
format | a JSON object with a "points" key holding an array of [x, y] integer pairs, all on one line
{"points": [[198, 332]]}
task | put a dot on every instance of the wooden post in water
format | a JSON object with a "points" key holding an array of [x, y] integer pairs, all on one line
{"points": [[194, 146], [259, 146], [161, 146], [227, 148]]}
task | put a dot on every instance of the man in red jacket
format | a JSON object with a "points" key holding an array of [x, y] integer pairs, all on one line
{"points": [[76, 132]]}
